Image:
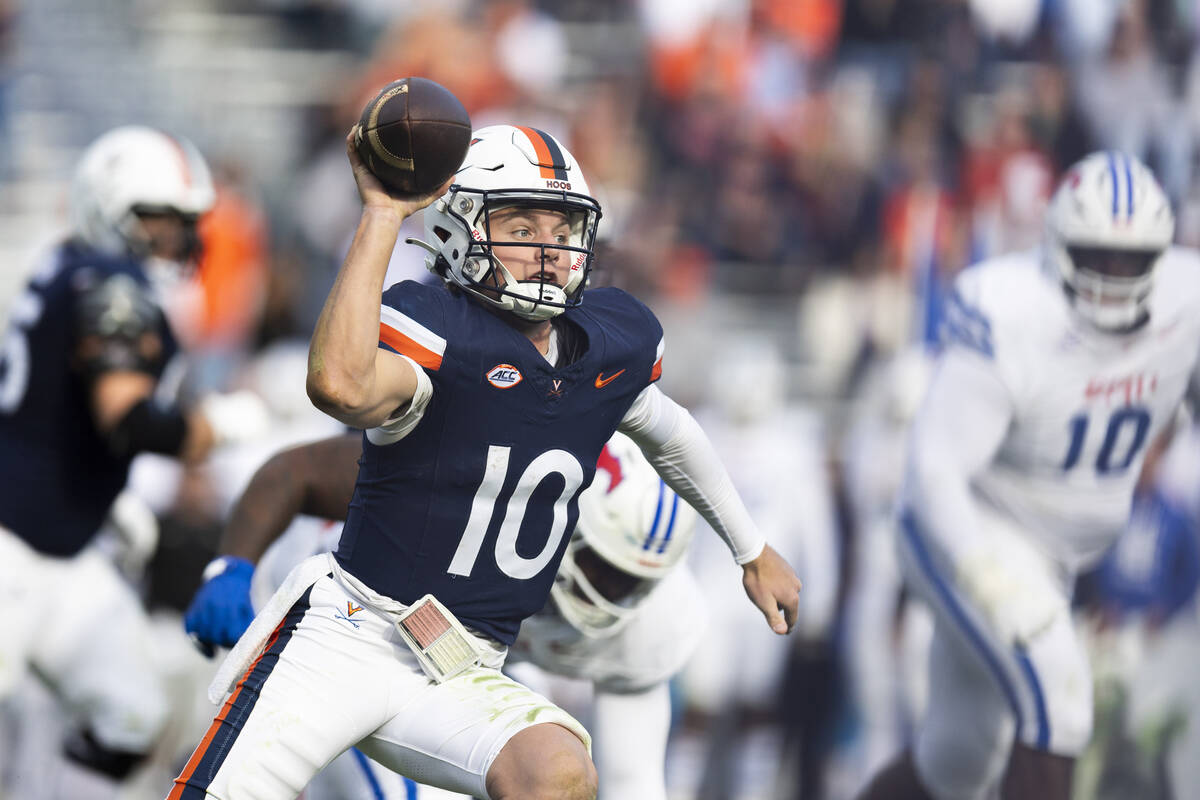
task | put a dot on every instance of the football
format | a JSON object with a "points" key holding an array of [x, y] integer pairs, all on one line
{"points": [[413, 135]]}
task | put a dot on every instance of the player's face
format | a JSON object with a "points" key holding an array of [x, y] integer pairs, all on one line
{"points": [[168, 234], [529, 241], [1113, 263], [614, 584]]}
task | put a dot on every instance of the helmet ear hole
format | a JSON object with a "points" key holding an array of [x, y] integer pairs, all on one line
{"points": [[442, 234], [441, 266]]}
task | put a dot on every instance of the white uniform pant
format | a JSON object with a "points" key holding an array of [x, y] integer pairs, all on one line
{"points": [[983, 690], [335, 674], [83, 630]]}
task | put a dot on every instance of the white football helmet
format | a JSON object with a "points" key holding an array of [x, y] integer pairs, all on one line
{"points": [[135, 169], [1107, 226], [511, 166], [632, 531]]}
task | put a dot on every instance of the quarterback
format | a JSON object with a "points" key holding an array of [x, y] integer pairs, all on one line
{"points": [[1060, 366], [623, 614], [485, 405]]}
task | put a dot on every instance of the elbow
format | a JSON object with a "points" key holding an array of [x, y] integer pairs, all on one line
{"points": [[342, 399]]}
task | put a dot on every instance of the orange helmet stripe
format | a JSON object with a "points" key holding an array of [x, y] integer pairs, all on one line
{"points": [[550, 156]]}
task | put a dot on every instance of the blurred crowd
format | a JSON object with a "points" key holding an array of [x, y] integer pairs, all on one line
{"points": [[787, 183]]}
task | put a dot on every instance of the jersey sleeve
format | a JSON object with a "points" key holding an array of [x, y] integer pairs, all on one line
{"points": [[412, 323], [978, 325], [118, 326], [956, 433], [964, 324], [656, 370], [654, 334], [684, 458], [639, 322]]}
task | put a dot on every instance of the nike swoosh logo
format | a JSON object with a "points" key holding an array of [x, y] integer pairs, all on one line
{"points": [[602, 381]]}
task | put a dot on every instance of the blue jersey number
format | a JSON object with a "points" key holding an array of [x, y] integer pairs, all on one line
{"points": [[483, 508], [1134, 418]]}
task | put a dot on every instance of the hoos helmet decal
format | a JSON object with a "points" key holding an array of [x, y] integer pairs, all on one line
{"points": [[509, 167], [632, 532], [1108, 224]]}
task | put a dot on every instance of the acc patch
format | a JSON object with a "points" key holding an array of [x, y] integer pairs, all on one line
{"points": [[504, 376]]}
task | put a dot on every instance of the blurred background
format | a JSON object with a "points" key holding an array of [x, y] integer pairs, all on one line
{"points": [[788, 184]]}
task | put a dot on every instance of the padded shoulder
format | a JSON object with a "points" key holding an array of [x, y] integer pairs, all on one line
{"points": [[116, 305], [616, 305], [1002, 299], [413, 322]]}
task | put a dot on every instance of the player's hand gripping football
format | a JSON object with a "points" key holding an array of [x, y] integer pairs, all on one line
{"points": [[373, 193], [772, 585]]}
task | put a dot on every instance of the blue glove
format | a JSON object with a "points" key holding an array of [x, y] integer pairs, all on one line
{"points": [[221, 611]]}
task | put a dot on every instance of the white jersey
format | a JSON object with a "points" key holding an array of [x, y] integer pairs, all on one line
{"points": [[652, 647], [1082, 406]]}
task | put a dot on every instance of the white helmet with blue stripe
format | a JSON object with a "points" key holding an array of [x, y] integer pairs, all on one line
{"points": [[632, 532], [1108, 224]]}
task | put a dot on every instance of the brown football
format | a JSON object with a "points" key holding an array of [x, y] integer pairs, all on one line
{"points": [[413, 135]]}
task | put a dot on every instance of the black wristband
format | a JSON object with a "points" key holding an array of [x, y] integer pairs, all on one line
{"points": [[149, 427]]}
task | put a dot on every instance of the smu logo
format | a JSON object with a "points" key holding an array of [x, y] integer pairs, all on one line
{"points": [[504, 376]]}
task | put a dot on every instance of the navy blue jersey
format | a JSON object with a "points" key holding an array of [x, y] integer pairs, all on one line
{"points": [[476, 504], [59, 475]]}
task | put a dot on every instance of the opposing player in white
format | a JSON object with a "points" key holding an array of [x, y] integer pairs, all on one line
{"points": [[1060, 366], [621, 616]]}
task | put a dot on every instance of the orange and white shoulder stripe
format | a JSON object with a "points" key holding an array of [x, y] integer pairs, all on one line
{"points": [[656, 370], [410, 338]]}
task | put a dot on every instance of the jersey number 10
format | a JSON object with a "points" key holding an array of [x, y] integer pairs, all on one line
{"points": [[1106, 462], [483, 508]]}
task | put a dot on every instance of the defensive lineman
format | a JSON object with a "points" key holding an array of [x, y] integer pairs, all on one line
{"points": [[486, 408], [1060, 367]]}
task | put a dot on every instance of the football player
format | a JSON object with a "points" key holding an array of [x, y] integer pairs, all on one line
{"points": [[86, 345], [620, 616], [1061, 365], [485, 407]]}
